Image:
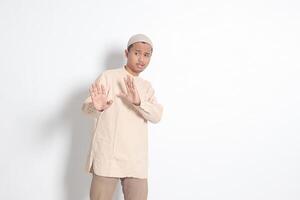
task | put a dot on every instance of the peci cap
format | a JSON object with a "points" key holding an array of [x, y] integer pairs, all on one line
{"points": [[139, 38]]}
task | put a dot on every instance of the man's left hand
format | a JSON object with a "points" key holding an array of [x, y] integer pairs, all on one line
{"points": [[132, 94]]}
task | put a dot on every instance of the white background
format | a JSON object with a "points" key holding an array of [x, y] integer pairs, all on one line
{"points": [[227, 73]]}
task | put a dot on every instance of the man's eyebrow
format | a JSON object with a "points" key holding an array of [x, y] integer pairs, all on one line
{"points": [[141, 50]]}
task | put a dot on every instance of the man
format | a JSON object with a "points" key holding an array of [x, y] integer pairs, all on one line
{"points": [[122, 104]]}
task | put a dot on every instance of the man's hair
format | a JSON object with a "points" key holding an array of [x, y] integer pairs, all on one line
{"points": [[130, 46]]}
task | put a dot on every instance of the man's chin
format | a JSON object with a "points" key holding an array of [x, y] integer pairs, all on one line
{"points": [[138, 69]]}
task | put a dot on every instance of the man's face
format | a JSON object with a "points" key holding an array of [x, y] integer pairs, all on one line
{"points": [[138, 57]]}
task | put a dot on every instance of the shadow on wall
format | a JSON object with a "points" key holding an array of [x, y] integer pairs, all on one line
{"points": [[115, 58], [77, 180]]}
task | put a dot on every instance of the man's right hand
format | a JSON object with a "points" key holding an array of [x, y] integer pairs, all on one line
{"points": [[99, 97]]}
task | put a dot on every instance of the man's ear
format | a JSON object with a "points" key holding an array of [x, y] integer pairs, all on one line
{"points": [[126, 53]]}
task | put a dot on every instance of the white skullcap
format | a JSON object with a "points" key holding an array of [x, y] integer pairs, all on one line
{"points": [[139, 38]]}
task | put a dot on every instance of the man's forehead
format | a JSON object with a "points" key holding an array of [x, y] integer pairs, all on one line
{"points": [[140, 46]]}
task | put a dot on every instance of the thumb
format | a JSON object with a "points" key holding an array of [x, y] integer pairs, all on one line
{"points": [[121, 94], [109, 102]]}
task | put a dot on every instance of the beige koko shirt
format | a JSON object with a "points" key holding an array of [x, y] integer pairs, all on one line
{"points": [[119, 146]]}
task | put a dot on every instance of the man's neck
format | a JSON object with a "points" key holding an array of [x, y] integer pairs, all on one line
{"points": [[130, 71]]}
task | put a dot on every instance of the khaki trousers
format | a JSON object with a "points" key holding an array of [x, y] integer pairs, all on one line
{"points": [[103, 188]]}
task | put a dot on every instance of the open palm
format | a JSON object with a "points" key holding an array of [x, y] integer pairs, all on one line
{"points": [[99, 97], [132, 94]]}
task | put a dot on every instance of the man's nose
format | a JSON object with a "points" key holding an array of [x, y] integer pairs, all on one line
{"points": [[141, 59]]}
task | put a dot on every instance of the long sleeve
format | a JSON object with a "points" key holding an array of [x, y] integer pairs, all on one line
{"points": [[149, 108], [87, 106], [119, 145]]}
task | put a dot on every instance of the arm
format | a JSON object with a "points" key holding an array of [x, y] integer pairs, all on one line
{"points": [[149, 108]]}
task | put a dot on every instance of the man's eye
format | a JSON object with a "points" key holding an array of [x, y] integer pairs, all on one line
{"points": [[135, 53]]}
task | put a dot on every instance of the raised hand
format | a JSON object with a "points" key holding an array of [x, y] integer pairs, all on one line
{"points": [[99, 97], [131, 94]]}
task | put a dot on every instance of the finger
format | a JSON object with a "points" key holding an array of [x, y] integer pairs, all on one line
{"points": [[126, 84], [108, 91], [94, 89], [97, 87], [130, 82], [121, 94], [126, 81], [109, 102], [103, 89], [91, 91], [133, 84]]}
